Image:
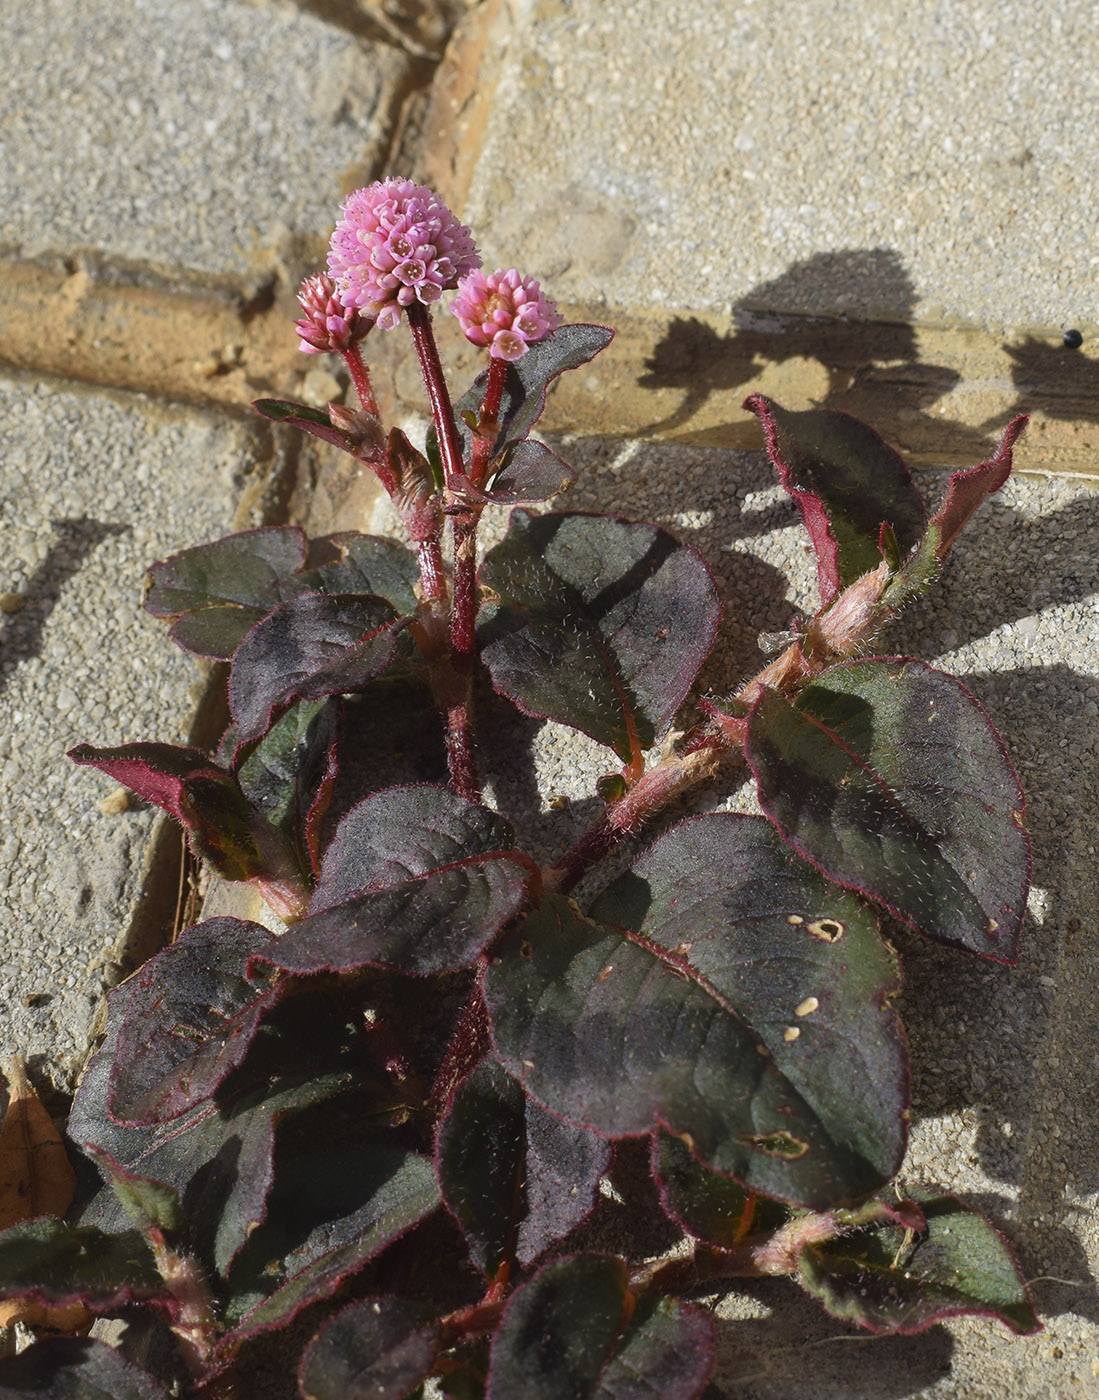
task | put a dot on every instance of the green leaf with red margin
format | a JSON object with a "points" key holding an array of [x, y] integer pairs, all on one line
{"points": [[600, 624], [312, 646], [713, 1208], [75, 1368], [847, 482], [575, 1331], [889, 776], [889, 1279], [224, 830], [515, 1178], [216, 593], [376, 1349], [59, 1264], [738, 999]]}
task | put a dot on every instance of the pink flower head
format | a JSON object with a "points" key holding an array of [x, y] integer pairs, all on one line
{"points": [[397, 243], [327, 323], [504, 311]]}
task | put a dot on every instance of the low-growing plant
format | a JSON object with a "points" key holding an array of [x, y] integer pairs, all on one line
{"points": [[368, 1141]]}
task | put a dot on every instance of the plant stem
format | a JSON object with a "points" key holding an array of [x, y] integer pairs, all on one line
{"points": [[652, 791], [487, 424], [438, 395], [360, 377]]}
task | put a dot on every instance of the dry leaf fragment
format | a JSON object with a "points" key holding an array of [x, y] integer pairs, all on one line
{"points": [[36, 1178]]}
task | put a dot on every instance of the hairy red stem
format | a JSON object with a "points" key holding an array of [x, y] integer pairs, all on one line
{"points": [[360, 377]]}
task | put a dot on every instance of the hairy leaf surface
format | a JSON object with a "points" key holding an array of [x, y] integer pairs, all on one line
{"points": [[75, 1368], [523, 474], [888, 775], [601, 624], [216, 593], [571, 1334], [738, 1000], [847, 482], [515, 1178], [378, 1349], [889, 1279], [312, 646], [189, 1017]]}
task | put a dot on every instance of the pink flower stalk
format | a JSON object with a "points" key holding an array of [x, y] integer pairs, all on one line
{"points": [[327, 325], [504, 311], [396, 244]]}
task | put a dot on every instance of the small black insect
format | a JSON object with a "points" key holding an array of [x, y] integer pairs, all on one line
{"points": [[1072, 339]]}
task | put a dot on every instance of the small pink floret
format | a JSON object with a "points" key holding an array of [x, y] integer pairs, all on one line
{"points": [[504, 311], [396, 244], [328, 325]]}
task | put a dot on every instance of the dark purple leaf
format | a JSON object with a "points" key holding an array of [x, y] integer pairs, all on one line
{"points": [[151, 1205], [207, 801], [416, 879], [404, 833], [377, 1349], [189, 1017], [888, 775], [528, 379], [312, 646], [59, 1264], [847, 482], [368, 564], [75, 1368], [599, 623], [713, 1208], [738, 999], [572, 1333], [438, 922], [217, 592], [528, 472], [337, 1202], [890, 1279], [515, 1178], [967, 489]]}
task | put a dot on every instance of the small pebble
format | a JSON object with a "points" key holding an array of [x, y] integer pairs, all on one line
{"points": [[115, 802], [1072, 339]]}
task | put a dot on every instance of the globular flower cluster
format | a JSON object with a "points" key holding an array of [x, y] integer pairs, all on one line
{"points": [[328, 325], [396, 244], [504, 311]]}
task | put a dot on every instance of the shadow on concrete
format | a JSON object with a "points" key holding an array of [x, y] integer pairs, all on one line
{"points": [[21, 631], [872, 367]]}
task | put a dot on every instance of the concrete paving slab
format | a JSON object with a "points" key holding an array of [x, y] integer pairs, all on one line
{"points": [[93, 488], [212, 136], [887, 161]]}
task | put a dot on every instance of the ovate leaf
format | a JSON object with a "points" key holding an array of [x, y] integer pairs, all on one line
{"points": [[417, 879], [189, 1016], [515, 1178], [738, 1000], [572, 1333], [368, 564], [310, 647], [75, 1368], [523, 474], [847, 483], [217, 592], [890, 1279], [600, 624], [888, 775], [379, 1349]]}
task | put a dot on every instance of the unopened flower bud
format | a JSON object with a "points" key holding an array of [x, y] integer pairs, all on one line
{"points": [[327, 325]]}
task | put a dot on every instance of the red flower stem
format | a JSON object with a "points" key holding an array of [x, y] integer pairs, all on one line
{"points": [[488, 425], [438, 395], [429, 556], [360, 377], [652, 791]]}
